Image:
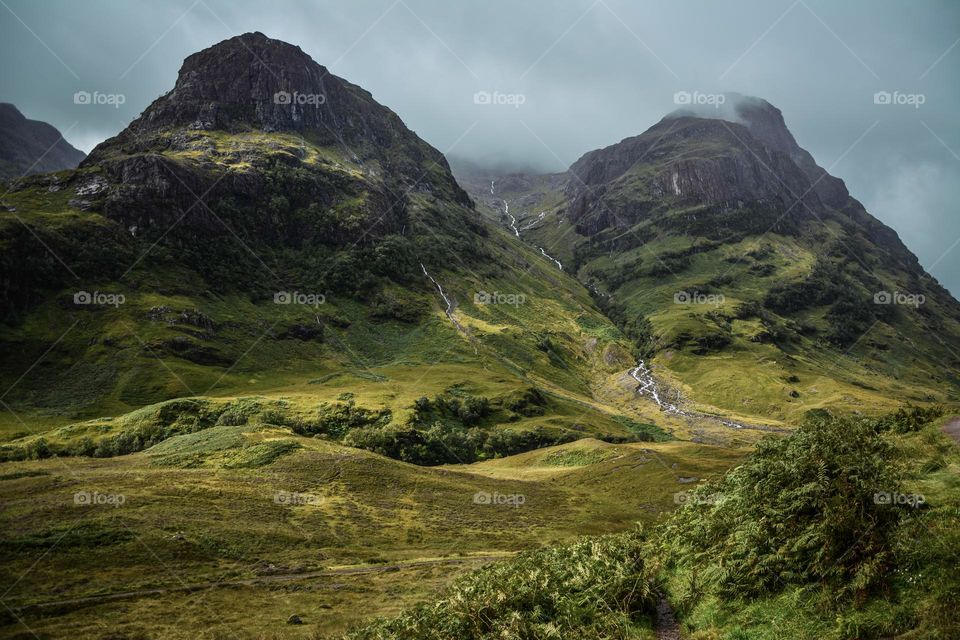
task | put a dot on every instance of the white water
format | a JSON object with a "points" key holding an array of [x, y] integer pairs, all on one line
{"points": [[648, 386], [547, 255], [491, 186], [535, 221], [446, 300], [513, 221], [516, 231]]}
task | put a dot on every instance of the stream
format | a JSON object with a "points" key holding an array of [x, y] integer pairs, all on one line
{"points": [[647, 385], [450, 306], [516, 231]]}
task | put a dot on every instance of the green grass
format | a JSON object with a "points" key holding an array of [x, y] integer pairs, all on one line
{"points": [[206, 503], [792, 543]]}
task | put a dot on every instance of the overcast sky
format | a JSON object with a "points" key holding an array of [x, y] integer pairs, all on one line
{"points": [[588, 73]]}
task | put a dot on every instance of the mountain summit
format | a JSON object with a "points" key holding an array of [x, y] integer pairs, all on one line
{"points": [[268, 225], [765, 123], [254, 84]]}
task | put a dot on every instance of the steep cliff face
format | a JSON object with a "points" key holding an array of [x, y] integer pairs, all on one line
{"points": [[252, 119], [749, 164], [31, 146], [255, 83], [684, 161], [766, 124]]}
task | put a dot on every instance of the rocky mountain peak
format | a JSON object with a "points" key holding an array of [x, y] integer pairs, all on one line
{"points": [[247, 80], [728, 155], [766, 124], [252, 82], [255, 84]]}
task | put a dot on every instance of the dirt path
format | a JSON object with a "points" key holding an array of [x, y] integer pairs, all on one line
{"points": [[667, 627], [952, 429], [286, 577]]}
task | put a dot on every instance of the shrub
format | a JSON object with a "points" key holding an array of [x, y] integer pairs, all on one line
{"points": [[594, 588], [336, 419], [800, 510]]}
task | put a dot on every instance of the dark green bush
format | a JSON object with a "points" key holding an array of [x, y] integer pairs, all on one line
{"points": [[801, 510]]}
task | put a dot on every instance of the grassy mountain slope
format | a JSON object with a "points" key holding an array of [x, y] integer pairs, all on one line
{"points": [[154, 271]]}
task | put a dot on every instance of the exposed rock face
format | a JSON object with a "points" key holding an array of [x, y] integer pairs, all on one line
{"points": [[252, 82], [766, 124], [31, 146], [159, 165], [690, 161], [741, 158]]}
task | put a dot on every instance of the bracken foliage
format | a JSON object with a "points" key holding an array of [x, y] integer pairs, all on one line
{"points": [[801, 510], [594, 588]]}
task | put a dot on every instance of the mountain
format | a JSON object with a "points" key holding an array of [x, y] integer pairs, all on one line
{"points": [[31, 146], [748, 274], [268, 230]]}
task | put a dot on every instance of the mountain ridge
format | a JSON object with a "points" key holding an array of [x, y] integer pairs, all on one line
{"points": [[32, 146]]}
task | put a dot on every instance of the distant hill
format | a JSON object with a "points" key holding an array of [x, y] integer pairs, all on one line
{"points": [[31, 146]]}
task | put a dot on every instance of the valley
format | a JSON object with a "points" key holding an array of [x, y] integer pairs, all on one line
{"points": [[275, 369]]}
